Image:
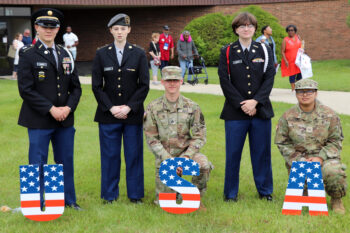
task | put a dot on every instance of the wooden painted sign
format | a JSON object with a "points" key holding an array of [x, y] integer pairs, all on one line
{"points": [[190, 193], [30, 192], [311, 174]]}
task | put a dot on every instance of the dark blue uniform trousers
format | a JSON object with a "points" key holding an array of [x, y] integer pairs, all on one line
{"points": [[259, 131], [62, 140], [110, 144]]}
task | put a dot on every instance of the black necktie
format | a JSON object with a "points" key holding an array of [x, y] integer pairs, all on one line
{"points": [[246, 54], [52, 55]]}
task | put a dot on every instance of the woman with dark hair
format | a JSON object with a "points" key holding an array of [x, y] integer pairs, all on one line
{"points": [[246, 72], [290, 47], [266, 32]]}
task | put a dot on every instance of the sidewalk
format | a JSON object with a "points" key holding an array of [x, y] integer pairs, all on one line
{"points": [[337, 100]]}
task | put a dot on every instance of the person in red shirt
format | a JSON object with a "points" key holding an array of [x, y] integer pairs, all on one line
{"points": [[166, 45]]}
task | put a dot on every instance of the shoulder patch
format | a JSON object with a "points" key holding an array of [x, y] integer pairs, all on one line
{"points": [[101, 47], [255, 46], [26, 48], [137, 46], [225, 46]]}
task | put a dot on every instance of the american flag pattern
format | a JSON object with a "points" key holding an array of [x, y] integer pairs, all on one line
{"points": [[30, 192], [190, 193], [309, 172]]}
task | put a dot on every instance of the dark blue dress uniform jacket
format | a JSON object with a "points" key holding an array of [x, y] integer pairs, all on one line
{"points": [[41, 85], [247, 81], [127, 84]]}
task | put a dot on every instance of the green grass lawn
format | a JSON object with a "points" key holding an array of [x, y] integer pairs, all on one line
{"points": [[249, 214], [332, 75]]}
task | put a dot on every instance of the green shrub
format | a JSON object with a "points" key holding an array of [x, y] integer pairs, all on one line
{"points": [[212, 31]]}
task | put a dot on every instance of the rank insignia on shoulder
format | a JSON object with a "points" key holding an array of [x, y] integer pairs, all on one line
{"points": [[255, 46], [235, 46]]}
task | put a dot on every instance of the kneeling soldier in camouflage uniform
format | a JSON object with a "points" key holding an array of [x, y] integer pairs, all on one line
{"points": [[312, 132], [174, 127]]}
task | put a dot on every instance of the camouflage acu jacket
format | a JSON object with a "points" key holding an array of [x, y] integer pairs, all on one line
{"points": [[174, 130], [303, 135]]}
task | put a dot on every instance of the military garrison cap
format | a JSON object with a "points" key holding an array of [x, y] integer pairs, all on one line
{"points": [[171, 73], [306, 84], [119, 19], [48, 17]]}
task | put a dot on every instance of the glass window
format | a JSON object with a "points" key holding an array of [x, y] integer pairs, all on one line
{"points": [[17, 11]]}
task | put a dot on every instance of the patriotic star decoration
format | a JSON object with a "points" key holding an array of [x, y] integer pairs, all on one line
{"points": [[306, 171], [167, 171], [30, 181]]}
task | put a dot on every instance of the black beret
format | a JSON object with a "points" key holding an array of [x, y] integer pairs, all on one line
{"points": [[119, 19], [48, 17]]}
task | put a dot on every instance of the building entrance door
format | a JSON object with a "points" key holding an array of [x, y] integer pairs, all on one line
{"points": [[6, 63]]}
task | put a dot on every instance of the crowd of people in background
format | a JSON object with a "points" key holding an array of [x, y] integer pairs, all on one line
{"points": [[161, 51]]}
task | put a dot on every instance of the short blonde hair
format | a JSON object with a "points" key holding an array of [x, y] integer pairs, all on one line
{"points": [[155, 34]]}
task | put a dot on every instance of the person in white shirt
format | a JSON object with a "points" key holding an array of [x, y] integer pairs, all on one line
{"points": [[17, 45], [71, 41]]}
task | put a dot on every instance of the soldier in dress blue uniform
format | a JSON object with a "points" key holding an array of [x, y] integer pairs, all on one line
{"points": [[49, 86], [246, 74], [120, 82]]}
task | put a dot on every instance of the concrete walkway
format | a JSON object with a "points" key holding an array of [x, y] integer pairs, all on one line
{"points": [[339, 101]]}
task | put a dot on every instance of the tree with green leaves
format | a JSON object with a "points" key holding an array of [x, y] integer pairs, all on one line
{"points": [[212, 31]]}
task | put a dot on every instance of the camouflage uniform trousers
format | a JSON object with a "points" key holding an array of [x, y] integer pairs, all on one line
{"points": [[205, 167], [334, 177]]}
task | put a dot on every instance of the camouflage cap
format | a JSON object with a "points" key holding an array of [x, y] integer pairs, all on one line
{"points": [[306, 84], [171, 73]]}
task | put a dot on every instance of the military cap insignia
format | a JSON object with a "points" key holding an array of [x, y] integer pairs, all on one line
{"points": [[127, 20], [49, 13]]}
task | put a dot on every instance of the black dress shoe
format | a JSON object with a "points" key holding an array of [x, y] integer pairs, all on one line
{"points": [[136, 201], [267, 197], [74, 206], [230, 199], [107, 202]]}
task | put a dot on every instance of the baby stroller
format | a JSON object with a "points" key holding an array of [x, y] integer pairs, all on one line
{"points": [[197, 71]]}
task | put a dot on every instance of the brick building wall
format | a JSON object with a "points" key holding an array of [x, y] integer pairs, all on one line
{"points": [[322, 24], [91, 25]]}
